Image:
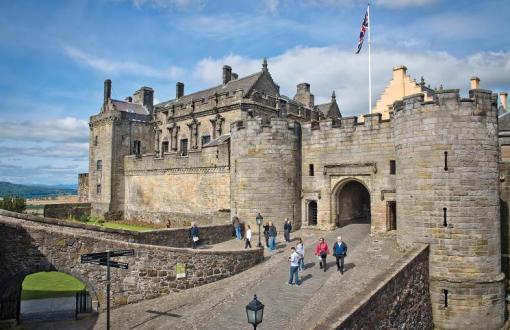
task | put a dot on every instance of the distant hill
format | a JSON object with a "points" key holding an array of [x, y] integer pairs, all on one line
{"points": [[35, 191]]}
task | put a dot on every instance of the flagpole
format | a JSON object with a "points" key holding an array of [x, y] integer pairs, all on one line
{"points": [[369, 62]]}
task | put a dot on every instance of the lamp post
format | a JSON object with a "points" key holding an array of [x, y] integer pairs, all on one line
{"points": [[255, 312], [259, 219]]}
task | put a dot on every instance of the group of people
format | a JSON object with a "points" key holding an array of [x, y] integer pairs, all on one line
{"points": [[297, 257]]}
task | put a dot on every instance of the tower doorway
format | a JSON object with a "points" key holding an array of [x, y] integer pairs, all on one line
{"points": [[352, 204], [312, 213]]}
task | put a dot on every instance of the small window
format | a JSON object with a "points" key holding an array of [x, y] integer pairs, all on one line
{"points": [[206, 139], [98, 189], [184, 147], [99, 165], [311, 171], [164, 146], [393, 167], [137, 146], [96, 140]]}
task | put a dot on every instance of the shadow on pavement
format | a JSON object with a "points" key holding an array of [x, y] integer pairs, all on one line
{"points": [[305, 278]]}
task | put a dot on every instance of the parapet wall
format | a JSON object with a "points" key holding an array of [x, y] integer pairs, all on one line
{"points": [[67, 210], [265, 171], [400, 300]]}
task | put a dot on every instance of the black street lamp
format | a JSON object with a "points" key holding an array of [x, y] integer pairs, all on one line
{"points": [[259, 219], [255, 312]]}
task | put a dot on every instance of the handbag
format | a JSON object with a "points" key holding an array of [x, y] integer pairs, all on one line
{"points": [[195, 238]]}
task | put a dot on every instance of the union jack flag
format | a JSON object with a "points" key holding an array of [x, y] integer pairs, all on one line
{"points": [[364, 28]]}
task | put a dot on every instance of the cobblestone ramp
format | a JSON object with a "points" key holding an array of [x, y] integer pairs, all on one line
{"points": [[221, 305]]}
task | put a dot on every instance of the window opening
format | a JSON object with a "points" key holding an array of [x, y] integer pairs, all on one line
{"points": [[311, 171], [393, 167]]}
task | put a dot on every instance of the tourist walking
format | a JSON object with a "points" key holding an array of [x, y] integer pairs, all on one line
{"points": [[294, 266], [340, 251], [237, 227], [300, 249], [266, 233], [272, 236], [194, 235], [322, 251], [287, 227], [247, 238]]}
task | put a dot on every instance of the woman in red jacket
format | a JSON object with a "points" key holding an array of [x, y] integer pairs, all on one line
{"points": [[322, 251]]}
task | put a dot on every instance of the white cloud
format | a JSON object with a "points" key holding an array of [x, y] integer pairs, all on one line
{"points": [[119, 67], [329, 68], [405, 3], [179, 4], [272, 5], [68, 129]]}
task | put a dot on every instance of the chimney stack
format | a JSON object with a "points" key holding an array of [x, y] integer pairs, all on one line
{"points": [[128, 99], [179, 90], [145, 97], [503, 99], [107, 91], [227, 74], [235, 76], [475, 82], [303, 95]]}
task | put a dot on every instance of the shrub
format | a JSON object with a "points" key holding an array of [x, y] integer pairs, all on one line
{"points": [[14, 204], [114, 215]]}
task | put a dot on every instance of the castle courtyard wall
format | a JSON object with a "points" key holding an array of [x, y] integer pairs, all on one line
{"points": [[342, 151]]}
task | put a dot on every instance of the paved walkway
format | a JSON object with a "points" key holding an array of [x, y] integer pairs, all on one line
{"points": [[221, 305]]}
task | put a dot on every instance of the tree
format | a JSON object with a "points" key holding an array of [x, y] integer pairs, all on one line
{"points": [[14, 204]]}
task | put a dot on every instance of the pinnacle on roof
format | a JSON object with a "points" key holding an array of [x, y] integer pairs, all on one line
{"points": [[333, 96], [264, 64]]}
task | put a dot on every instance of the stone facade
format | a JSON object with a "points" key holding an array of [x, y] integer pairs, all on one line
{"points": [[83, 187], [67, 210], [28, 247], [428, 167]]}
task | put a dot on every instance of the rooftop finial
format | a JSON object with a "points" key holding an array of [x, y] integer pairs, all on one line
{"points": [[264, 64], [333, 96], [422, 81]]}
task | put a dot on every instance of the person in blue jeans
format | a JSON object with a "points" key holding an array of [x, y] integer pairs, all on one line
{"points": [[340, 252], [300, 250], [272, 236], [237, 228], [294, 267]]}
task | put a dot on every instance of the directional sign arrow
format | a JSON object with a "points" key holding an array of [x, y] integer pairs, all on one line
{"points": [[114, 264], [102, 255]]}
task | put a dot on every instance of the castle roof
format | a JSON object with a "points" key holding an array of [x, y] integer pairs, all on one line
{"points": [[504, 122], [244, 83], [129, 107]]}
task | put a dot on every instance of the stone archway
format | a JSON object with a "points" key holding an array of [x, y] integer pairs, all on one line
{"points": [[351, 202]]}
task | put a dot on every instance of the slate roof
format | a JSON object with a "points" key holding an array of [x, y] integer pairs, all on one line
{"points": [[216, 142], [324, 108], [244, 83], [130, 107], [504, 122]]}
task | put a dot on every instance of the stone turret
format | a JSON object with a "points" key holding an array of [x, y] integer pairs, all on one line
{"points": [[449, 199], [265, 171], [304, 96]]}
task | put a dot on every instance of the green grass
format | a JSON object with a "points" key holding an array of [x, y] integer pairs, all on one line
{"points": [[116, 225], [50, 285]]}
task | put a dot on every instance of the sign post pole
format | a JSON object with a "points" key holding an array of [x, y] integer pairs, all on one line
{"points": [[107, 290]]}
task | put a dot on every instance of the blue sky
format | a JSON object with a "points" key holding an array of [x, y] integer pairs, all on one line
{"points": [[54, 56]]}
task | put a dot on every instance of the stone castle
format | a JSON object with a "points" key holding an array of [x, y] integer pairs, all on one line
{"points": [[426, 163]]}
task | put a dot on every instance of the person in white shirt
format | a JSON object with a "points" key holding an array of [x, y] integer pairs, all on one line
{"points": [[247, 237], [300, 249], [294, 266]]}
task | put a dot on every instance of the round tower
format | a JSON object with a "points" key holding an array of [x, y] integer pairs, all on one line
{"points": [[447, 196], [265, 171]]}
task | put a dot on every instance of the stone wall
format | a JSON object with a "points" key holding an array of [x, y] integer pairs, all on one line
{"points": [[448, 196], [172, 237], [400, 301], [83, 187], [67, 210], [341, 151], [27, 247]]}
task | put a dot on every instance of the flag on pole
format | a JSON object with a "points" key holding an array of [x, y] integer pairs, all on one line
{"points": [[364, 28]]}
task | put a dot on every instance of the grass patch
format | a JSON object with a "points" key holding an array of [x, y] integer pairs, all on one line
{"points": [[119, 225], [50, 285]]}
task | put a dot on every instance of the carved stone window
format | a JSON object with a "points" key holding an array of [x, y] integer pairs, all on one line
{"points": [[184, 147], [217, 124], [164, 146], [206, 139], [193, 130]]}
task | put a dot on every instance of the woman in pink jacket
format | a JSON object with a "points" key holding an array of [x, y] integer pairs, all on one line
{"points": [[322, 251]]}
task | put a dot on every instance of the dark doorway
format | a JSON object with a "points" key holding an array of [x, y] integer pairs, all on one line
{"points": [[352, 204], [391, 215], [312, 213]]}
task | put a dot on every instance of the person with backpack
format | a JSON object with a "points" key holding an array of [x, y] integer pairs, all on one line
{"points": [[340, 252], [193, 232], [287, 227], [322, 251]]}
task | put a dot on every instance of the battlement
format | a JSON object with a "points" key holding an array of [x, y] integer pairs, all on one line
{"points": [[480, 102], [260, 125], [371, 121]]}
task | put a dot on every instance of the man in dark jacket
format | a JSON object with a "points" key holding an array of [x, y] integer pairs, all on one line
{"points": [[340, 251], [287, 227], [266, 234], [194, 235], [272, 236]]}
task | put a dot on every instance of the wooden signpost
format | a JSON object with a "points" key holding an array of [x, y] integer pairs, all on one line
{"points": [[103, 259]]}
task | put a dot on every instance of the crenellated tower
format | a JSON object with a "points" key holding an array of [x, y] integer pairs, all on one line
{"points": [[447, 196], [265, 171]]}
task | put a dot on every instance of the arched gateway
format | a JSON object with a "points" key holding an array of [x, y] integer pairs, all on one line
{"points": [[351, 203]]}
